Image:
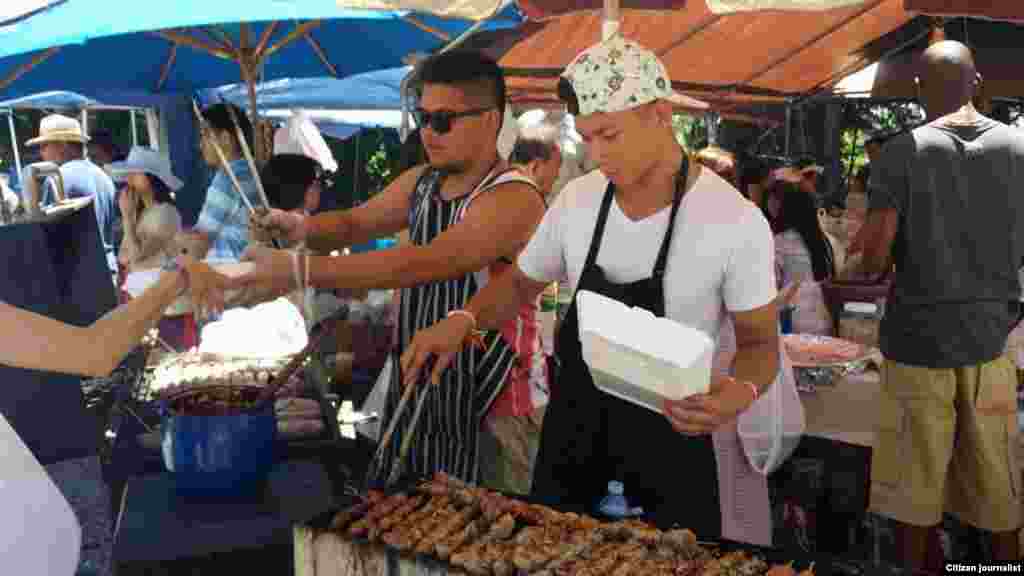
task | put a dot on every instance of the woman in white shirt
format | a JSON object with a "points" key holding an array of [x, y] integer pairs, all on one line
{"points": [[803, 253]]}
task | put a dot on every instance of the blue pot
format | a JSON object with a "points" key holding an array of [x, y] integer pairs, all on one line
{"points": [[219, 455]]}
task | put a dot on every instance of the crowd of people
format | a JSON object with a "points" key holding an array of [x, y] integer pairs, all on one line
{"points": [[699, 238]]}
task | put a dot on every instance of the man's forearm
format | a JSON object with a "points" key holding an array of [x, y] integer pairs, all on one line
{"points": [[122, 328], [758, 363], [499, 302], [328, 231], [400, 267]]}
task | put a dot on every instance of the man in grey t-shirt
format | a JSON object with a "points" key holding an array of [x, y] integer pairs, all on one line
{"points": [[946, 211]]}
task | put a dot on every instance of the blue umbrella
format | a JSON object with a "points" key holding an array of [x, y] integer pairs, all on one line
{"points": [[12, 12], [98, 48]]}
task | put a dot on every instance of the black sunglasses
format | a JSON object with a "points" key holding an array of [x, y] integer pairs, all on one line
{"points": [[441, 121]]}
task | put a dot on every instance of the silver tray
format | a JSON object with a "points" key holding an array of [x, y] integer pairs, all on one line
{"points": [[808, 378]]}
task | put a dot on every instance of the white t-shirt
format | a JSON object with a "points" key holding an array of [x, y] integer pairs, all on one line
{"points": [[721, 258]]}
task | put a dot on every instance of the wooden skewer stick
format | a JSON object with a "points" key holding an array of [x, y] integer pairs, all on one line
{"points": [[224, 161]]}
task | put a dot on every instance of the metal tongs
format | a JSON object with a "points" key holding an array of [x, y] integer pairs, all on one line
{"points": [[244, 145], [423, 388]]}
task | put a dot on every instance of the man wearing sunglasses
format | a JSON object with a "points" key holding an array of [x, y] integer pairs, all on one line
{"points": [[465, 211], [649, 229]]}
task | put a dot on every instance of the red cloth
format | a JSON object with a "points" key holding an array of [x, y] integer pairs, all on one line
{"points": [[523, 335]]}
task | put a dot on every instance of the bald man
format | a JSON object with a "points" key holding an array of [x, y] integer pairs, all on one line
{"points": [[947, 212]]}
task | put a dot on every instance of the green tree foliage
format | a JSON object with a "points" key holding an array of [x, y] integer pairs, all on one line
{"points": [[691, 131], [367, 163], [863, 119]]}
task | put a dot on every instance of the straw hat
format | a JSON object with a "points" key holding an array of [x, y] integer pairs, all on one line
{"points": [[147, 161], [58, 128]]}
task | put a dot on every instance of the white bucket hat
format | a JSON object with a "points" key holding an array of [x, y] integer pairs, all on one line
{"points": [[58, 128], [147, 161], [618, 75]]}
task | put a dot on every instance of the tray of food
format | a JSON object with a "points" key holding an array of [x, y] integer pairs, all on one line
{"points": [[457, 528], [814, 351], [823, 360], [202, 384]]}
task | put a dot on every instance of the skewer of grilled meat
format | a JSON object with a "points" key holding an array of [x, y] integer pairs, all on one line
{"points": [[345, 517], [385, 523], [479, 556], [359, 528], [399, 536], [449, 527]]}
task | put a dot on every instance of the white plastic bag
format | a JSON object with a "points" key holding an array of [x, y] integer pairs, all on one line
{"points": [[301, 136], [376, 401], [770, 429], [270, 330]]}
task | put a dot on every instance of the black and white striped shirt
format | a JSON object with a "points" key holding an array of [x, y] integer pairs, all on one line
{"points": [[447, 434]]}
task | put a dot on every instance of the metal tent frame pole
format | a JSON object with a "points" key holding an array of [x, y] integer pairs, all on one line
{"points": [[135, 133], [14, 141]]}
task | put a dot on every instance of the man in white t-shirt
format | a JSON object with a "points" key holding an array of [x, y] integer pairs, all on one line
{"points": [[652, 230]]}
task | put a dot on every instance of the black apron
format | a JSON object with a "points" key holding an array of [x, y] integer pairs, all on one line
{"points": [[590, 437]]}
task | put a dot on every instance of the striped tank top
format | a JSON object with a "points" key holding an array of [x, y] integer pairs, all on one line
{"points": [[446, 438]]}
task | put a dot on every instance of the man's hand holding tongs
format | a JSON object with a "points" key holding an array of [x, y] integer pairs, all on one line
{"points": [[266, 225]]}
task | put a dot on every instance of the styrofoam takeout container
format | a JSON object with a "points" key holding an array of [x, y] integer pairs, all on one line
{"points": [[641, 358]]}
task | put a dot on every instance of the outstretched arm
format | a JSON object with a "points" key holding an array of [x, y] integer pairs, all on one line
{"points": [[36, 342]]}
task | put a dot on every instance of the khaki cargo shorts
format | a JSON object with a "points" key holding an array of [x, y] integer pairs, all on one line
{"points": [[947, 441]]}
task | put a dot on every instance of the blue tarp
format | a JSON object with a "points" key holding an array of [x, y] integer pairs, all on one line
{"points": [[377, 90], [366, 100], [108, 47]]}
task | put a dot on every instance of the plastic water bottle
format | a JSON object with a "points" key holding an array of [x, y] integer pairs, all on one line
{"points": [[615, 506], [786, 319]]}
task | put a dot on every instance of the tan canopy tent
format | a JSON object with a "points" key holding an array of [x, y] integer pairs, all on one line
{"points": [[729, 60]]}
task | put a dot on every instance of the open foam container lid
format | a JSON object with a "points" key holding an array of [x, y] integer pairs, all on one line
{"points": [[640, 330], [640, 358]]}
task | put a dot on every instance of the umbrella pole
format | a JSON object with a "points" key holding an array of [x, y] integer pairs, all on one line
{"points": [[14, 141], [611, 19], [135, 133], [249, 75]]}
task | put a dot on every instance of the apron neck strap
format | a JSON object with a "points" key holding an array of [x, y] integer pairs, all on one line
{"points": [[602, 218], [666, 242]]}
